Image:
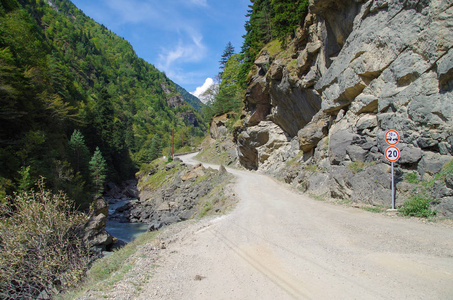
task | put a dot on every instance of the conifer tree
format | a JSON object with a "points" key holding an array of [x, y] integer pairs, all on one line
{"points": [[79, 152], [227, 53], [98, 169]]}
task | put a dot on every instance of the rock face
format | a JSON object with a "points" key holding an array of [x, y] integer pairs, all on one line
{"points": [[355, 70]]}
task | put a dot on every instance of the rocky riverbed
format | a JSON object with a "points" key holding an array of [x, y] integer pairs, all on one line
{"points": [[169, 193]]}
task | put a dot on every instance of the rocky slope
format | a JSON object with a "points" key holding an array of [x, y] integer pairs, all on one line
{"points": [[316, 112], [169, 193]]}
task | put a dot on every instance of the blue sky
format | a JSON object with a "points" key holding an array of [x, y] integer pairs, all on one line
{"points": [[183, 38]]}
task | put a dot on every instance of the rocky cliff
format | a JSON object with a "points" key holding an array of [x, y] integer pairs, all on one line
{"points": [[316, 112]]}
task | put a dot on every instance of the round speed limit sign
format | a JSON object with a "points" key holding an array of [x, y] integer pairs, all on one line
{"points": [[392, 154]]}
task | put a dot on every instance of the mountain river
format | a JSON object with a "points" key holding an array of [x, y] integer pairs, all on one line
{"points": [[124, 231]]}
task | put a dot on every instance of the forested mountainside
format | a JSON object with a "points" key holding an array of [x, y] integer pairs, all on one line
{"points": [[63, 75]]}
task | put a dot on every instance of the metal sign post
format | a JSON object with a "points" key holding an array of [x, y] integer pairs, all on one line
{"points": [[393, 188], [392, 154]]}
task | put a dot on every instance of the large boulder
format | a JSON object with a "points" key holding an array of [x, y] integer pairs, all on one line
{"points": [[94, 231]]}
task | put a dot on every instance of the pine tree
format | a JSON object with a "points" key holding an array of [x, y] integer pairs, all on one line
{"points": [[98, 169], [79, 152], [227, 53]]}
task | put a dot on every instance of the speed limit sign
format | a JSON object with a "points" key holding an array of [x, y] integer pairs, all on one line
{"points": [[392, 154]]}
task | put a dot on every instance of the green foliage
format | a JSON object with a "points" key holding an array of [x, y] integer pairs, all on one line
{"points": [[25, 181], [41, 248], [269, 20], [287, 15], [156, 148], [189, 98], [79, 152], [412, 178], [227, 53], [60, 71], [417, 206], [230, 93], [98, 171]]}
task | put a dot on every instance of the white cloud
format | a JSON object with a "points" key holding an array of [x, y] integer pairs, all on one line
{"points": [[188, 51], [201, 89]]}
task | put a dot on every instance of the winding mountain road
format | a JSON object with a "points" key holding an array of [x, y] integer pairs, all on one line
{"points": [[280, 244]]}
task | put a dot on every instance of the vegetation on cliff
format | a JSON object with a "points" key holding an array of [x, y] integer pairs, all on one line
{"points": [[269, 20]]}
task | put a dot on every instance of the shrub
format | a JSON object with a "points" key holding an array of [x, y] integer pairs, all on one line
{"points": [[417, 206], [41, 249]]}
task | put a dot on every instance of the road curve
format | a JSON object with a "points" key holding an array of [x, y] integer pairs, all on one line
{"points": [[280, 244]]}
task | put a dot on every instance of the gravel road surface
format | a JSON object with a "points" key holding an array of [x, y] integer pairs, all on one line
{"points": [[280, 244]]}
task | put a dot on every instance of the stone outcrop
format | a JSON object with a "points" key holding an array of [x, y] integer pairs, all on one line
{"points": [[219, 147], [95, 234], [355, 70]]}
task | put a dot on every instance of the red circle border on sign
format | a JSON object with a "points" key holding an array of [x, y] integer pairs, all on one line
{"points": [[397, 134], [395, 159]]}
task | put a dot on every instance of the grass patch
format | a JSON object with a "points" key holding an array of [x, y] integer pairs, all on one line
{"points": [[359, 166], [207, 206], [109, 270], [159, 174], [417, 206], [412, 178], [311, 168], [274, 48]]}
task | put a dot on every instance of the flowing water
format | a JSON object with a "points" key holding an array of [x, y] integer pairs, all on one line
{"points": [[124, 231]]}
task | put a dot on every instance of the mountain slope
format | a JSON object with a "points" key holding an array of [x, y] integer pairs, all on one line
{"points": [[189, 98], [62, 71]]}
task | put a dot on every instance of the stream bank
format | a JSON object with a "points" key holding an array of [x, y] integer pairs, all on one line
{"points": [[165, 193]]}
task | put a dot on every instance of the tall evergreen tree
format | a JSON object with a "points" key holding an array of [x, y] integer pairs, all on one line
{"points": [[98, 171], [227, 53], [79, 153]]}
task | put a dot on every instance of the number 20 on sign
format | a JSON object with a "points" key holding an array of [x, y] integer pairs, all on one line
{"points": [[392, 154]]}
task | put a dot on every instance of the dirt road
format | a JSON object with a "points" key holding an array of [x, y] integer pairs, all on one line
{"points": [[279, 244]]}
